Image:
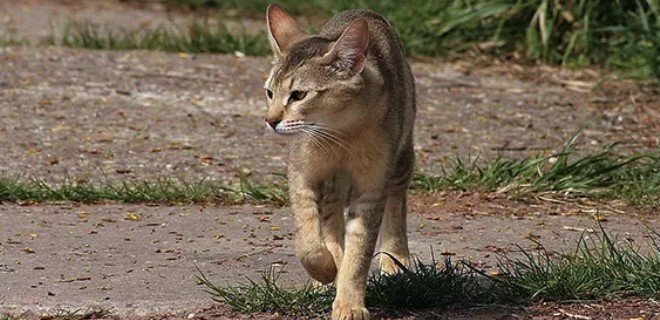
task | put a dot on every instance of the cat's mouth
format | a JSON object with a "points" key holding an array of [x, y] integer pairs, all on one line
{"points": [[289, 128]]}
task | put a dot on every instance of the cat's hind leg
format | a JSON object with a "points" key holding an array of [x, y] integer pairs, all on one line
{"points": [[393, 234], [393, 230]]}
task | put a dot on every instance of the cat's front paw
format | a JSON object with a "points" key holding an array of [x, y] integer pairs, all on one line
{"points": [[319, 265], [346, 311]]}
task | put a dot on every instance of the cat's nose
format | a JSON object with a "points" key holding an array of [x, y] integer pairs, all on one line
{"points": [[272, 122]]}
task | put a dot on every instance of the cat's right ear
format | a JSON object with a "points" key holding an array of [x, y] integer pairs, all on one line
{"points": [[348, 53], [282, 29]]}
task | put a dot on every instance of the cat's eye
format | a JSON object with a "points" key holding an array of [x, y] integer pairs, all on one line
{"points": [[269, 94], [297, 95]]}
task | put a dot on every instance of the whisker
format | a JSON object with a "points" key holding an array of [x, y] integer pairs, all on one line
{"points": [[327, 128], [334, 133], [325, 139], [308, 133], [330, 137]]}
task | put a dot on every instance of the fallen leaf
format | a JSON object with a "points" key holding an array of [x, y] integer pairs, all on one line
{"points": [[600, 218], [575, 316], [132, 216], [82, 215]]}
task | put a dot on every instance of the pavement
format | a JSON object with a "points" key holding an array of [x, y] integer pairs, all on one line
{"points": [[138, 260]]}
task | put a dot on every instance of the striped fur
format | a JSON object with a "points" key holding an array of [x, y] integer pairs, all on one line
{"points": [[347, 98]]}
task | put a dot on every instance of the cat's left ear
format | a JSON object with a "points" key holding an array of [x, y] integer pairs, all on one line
{"points": [[282, 29], [348, 53]]}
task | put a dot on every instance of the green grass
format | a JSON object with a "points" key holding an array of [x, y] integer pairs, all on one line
{"points": [[161, 190], [198, 37], [8, 39], [268, 295], [621, 35], [600, 268], [616, 34], [635, 179]]}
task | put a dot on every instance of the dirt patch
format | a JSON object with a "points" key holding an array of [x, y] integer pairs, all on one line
{"points": [[601, 310], [97, 115], [38, 20], [100, 115], [479, 204]]}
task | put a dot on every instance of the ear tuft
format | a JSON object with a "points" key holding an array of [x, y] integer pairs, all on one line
{"points": [[282, 29], [349, 51]]}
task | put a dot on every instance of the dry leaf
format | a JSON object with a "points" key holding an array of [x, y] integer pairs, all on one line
{"points": [[132, 216]]}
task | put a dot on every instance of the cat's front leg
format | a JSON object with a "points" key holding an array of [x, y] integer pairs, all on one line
{"points": [[361, 234], [310, 247]]}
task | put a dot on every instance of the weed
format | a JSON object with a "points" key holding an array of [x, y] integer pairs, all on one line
{"points": [[11, 40], [599, 268], [635, 179], [198, 37], [622, 35], [160, 190], [268, 295], [600, 174]]}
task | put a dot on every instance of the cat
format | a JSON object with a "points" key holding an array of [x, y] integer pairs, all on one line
{"points": [[346, 96]]}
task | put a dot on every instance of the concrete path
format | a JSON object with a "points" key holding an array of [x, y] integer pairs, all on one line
{"points": [[141, 259]]}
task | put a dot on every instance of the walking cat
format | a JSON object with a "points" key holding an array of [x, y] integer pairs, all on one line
{"points": [[347, 99]]}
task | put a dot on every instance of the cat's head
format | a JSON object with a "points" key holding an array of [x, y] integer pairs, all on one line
{"points": [[315, 82]]}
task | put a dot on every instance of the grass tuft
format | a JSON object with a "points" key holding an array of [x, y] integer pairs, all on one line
{"points": [[602, 267], [621, 35], [10, 39], [635, 178], [599, 268], [198, 37], [430, 286], [160, 190], [268, 295]]}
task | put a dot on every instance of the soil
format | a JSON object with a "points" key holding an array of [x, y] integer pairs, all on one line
{"points": [[137, 114], [85, 115]]}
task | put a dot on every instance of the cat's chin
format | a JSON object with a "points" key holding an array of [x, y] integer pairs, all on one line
{"points": [[287, 133], [281, 133]]}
